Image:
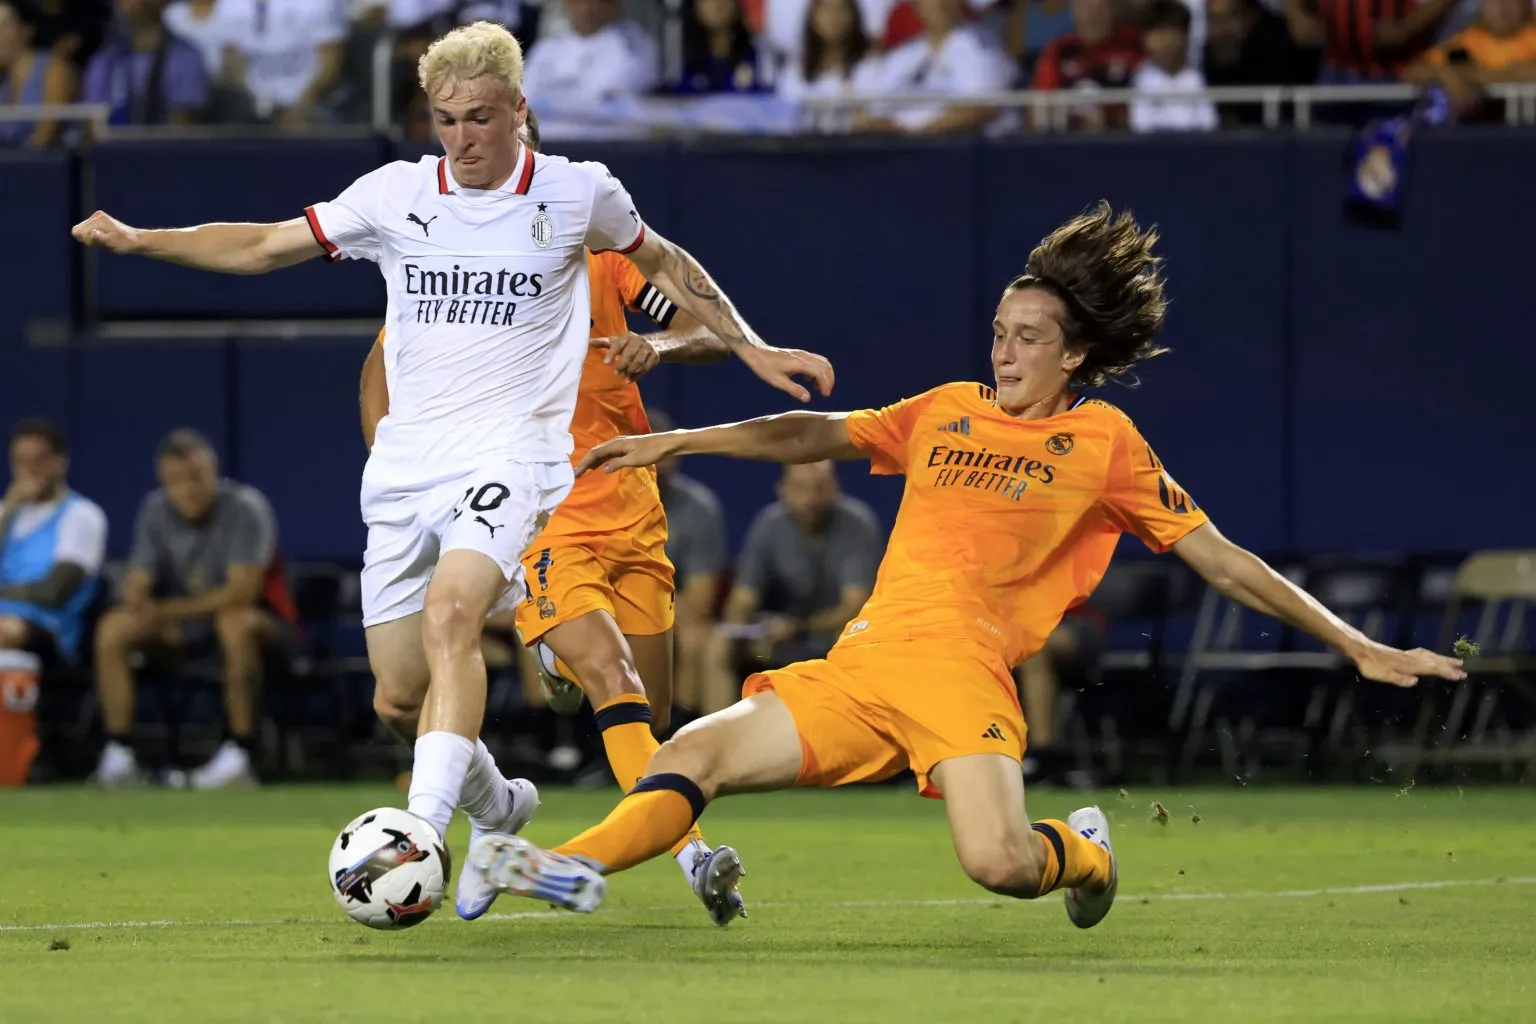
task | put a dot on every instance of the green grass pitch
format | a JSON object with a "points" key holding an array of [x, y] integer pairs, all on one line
{"points": [[1315, 905]]}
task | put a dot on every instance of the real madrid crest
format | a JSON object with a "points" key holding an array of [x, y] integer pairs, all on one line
{"points": [[543, 228]]}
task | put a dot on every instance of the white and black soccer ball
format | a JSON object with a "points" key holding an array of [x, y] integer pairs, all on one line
{"points": [[389, 869]]}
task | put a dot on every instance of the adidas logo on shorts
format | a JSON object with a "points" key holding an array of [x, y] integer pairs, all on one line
{"points": [[993, 733]]}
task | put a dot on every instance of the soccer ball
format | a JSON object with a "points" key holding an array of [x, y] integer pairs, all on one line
{"points": [[389, 869]]}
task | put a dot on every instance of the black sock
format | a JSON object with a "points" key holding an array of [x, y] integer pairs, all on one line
{"points": [[122, 739], [245, 743]]}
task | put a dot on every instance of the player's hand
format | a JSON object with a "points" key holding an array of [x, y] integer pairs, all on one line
{"points": [[107, 233], [628, 452], [631, 355], [1384, 664], [780, 367]]}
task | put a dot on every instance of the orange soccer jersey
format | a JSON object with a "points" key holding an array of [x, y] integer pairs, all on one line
{"points": [[1005, 523], [607, 406]]}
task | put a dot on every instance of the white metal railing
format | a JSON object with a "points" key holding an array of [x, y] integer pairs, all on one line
{"points": [[94, 114], [1053, 107]]}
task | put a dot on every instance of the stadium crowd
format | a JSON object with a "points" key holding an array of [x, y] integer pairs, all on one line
{"points": [[598, 66]]}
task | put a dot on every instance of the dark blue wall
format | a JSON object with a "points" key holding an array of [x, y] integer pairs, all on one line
{"points": [[1332, 386]]}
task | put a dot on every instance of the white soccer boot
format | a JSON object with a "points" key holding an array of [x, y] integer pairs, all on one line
{"points": [[1086, 908], [514, 865], [717, 878], [117, 768], [474, 894], [561, 694], [229, 767]]}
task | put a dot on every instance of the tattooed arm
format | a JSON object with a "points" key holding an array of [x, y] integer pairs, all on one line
{"points": [[678, 276]]}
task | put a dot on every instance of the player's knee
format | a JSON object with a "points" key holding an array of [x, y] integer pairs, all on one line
{"points": [[691, 754], [399, 712], [1010, 867], [609, 676], [448, 624], [237, 627]]}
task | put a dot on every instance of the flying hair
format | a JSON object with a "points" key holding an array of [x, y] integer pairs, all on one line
{"points": [[479, 50], [1102, 268]]}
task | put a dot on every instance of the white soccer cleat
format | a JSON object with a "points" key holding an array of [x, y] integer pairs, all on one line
{"points": [[561, 694], [516, 866], [474, 894], [717, 878], [1084, 907], [228, 768]]}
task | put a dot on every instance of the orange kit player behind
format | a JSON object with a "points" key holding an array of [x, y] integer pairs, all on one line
{"points": [[1014, 501], [599, 582]]}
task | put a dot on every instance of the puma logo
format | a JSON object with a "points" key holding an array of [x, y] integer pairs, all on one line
{"points": [[421, 223], [482, 521]]}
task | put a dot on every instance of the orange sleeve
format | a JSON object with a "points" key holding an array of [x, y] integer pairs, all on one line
{"points": [[381, 337], [625, 274], [1145, 499], [1436, 55], [884, 434]]}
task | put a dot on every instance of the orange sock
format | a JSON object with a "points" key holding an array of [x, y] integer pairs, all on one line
{"points": [[1070, 860], [655, 817], [625, 723]]}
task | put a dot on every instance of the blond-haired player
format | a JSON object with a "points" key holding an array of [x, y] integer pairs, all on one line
{"points": [[483, 252]]}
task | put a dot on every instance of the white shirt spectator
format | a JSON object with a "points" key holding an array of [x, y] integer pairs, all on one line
{"points": [[784, 22], [862, 80], [617, 61], [1157, 113], [410, 13], [280, 40], [207, 34], [969, 62]]}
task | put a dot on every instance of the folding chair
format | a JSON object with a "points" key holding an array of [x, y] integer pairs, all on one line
{"points": [[1492, 591]]}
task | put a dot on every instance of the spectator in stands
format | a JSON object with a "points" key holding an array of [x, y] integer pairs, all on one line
{"points": [[72, 29], [1365, 41], [1166, 73], [719, 53], [1500, 47], [1032, 24], [603, 56], [29, 77], [52, 543], [954, 59], [286, 55], [197, 22], [806, 567], [784, 23], [204, 577], [146, 74], [1249, 45], [835, 59], [696, 548], [1100, 54]]}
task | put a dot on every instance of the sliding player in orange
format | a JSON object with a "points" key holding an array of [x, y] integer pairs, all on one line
{"points": [[1015, 498], [600, 585]]}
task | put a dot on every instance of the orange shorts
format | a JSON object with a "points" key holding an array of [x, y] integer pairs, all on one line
{"points": [[625, 573], [866, 712]]}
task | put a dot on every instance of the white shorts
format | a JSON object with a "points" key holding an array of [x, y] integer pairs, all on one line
{"points": [[496, 511]]}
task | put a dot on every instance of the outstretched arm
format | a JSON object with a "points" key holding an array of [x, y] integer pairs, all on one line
{"points": [[680, 278], [787, 437], [1243, 577], [225, 248]]}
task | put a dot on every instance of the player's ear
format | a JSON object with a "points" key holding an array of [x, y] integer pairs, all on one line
{"points": [[1072, 357]]}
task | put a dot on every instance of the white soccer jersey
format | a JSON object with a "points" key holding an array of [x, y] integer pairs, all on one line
{"points": [[489, 309]]}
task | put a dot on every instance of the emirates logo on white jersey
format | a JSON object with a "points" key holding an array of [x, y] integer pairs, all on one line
{"points": [[543, 229]]}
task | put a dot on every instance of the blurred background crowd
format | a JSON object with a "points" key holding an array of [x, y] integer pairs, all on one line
{"points": [[615, 67]]}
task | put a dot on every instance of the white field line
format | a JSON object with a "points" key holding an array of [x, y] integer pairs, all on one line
{"points": [[1284, 894]]}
